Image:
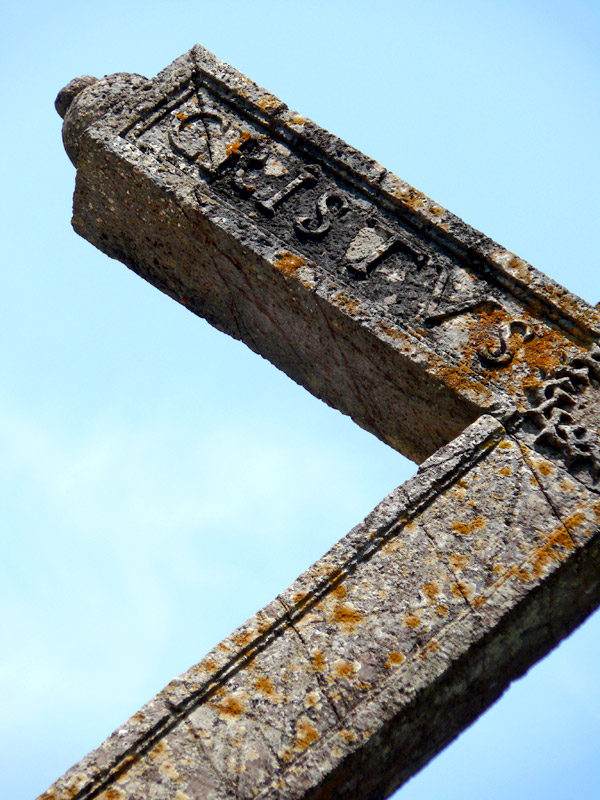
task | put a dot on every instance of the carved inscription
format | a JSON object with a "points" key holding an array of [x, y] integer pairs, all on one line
{"points": [[566, 413], [312, 210]]}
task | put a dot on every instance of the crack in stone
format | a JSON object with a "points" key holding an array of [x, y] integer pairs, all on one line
{"points": [[319, 678], [224, 779], [543, 491]]}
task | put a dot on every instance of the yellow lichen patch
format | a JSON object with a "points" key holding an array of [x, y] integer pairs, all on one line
{"points": [[243, 638], [228, 707], [343, 669], [181, 116], [139, 716], [567, 486], [289, 264], [297, 121], [462, 589], [412, 621], [234, 147], [158, 752], [347, 616], [574, 520], [311, 699], [167, 768], [465, 528], [347, 735], [210, 664], [505, 444], [390, 331], [544, 467], [318, 661], [300, 597], [554, 550], [458, 560], [411, 197], [269, 102], [306, 733], [333, 574], [597, 509], [394, 659], [431, 590], [340, 591], [264, 685], [480, 600], [441, 610], [345, 303], [115, 794], [504, 472]]}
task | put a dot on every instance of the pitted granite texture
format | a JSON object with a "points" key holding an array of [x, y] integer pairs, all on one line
{"points": [[425, 332]]}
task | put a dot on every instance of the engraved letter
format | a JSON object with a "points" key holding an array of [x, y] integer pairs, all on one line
{"points": [[307, 177], [328, 203]]}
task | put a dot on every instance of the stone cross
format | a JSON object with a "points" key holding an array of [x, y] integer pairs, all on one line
{"points": [[444, 345]]}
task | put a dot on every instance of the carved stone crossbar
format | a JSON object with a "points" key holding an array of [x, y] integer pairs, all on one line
{"points": [[444, 345]]}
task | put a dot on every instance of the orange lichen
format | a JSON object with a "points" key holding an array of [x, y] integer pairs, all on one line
{"points": [[306, 733], [545, 468], [464, 528], [554, 550], [394, 659], [431, 590], [347, 616], [458, 560], [461, 589], [412, 621], [229, 707], [441, 610], [300, 597], [574, 520], [289, 264], [348, 736], [479, 601], [158, 751], [243, 638], [318, 661], [340, 591], [269, 102], [264, 685], [345, 303], [343, 669], [504, 472], [234, 147]]}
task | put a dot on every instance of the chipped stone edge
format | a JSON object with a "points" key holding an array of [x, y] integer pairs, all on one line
{"points": [[161, 714]]}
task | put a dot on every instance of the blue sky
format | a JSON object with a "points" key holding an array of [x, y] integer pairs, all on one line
{"points": [[158, 482]]}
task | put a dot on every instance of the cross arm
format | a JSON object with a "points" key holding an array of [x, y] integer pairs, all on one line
{"points": [[384, 650], [370, 295], [425, 332]]}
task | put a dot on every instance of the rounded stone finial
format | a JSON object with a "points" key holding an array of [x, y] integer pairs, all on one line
{"points": [[66, 95]]}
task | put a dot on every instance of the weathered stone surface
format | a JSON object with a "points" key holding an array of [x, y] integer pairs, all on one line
{"points": [[396, 312], [383, 651], [361, 289]]}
